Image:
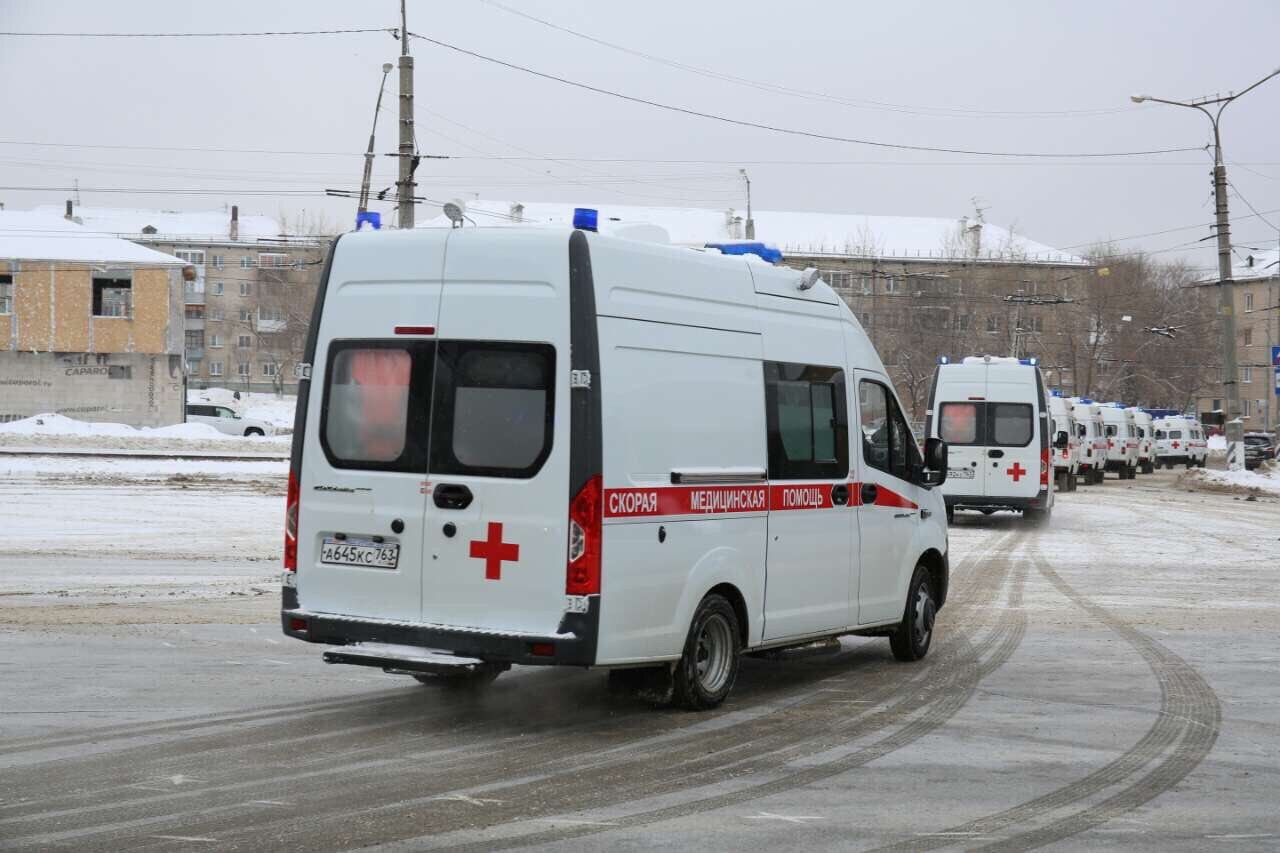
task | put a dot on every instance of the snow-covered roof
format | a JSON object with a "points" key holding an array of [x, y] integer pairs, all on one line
{"points": [[1257, 265], [211, 226], [29, 236], [794, 232]]}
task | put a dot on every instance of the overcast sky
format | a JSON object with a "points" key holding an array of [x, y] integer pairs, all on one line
{"points": [[1008, 77]]}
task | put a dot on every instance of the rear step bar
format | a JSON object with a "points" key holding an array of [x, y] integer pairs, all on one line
{"points": [[402, 658]]}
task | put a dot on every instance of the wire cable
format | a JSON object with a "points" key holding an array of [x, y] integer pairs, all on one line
{"points": [[392, 30], [789, 131]]}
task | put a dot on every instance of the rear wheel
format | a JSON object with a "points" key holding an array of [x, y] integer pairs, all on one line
{"points": [[253, 431], [910, 641], [705, 673], [1073, 482]]}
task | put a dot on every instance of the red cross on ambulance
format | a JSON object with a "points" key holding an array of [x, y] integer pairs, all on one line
{"points": [[494, 552]]}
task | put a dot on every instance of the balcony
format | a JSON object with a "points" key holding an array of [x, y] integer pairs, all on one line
{"points": [[193, 295], [193, 324], [195, 353]]}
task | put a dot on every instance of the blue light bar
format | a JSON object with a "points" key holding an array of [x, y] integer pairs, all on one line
{"points": [[1032, 361], [586, 218], [944, 359], [372, 218], [767, 253]]}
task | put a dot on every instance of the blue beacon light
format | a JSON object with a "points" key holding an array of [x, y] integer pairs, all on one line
{"points": [[586, 218]]}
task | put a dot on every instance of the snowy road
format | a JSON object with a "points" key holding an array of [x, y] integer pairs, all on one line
{"points": [[1108, 681]]}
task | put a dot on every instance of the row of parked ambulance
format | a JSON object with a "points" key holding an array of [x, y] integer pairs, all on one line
{"points": [[1013, 444]]}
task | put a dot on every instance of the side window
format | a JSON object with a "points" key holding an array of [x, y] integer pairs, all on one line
{"points": [[1081, 430], [375, 407], [1160, 434], [807, 421], [1111, 430], [887, 442], [961, 423], [494, 408]]}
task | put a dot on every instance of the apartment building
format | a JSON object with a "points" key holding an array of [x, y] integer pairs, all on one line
{"points": [[247, 310], [1256, 297], [90, 326]]}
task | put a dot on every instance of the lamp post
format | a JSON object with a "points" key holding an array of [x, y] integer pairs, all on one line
{"points": [[368, 154], [751, 223], [1226, 298]]}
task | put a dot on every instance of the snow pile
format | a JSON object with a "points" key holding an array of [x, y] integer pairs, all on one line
{"points": [[1218, 444], [51, 424], [1263, 481]]}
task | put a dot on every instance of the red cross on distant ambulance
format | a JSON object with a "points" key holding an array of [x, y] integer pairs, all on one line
{"points": [[1016, 472], [494, 552]]}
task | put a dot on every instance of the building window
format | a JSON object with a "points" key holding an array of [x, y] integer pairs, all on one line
{"points": [[1248, 337], [195, 312], [242, 369], [112, 297], [866, 320], [246, 262], [243, 342], [1246, 374], [866, 285], [217, 314], [1035, 324], [838, 279], [890, 285], [993, 323], [215, 341], [215, 368], [6, 294], [217, 262], [1248, 302], [272, 260], [246, 315], [245, 288], [270, 315], [271, 369], [195, 339], [217, 288], [963, 322], [191, 256]]}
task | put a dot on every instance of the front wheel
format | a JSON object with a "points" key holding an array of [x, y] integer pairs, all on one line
{"points": [[910, 641], [253, 431], [705, 673]]}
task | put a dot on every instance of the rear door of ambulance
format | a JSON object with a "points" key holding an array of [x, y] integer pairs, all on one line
{"points": [[1015, 420], [496, 516], [959, 410], [361, 481]]}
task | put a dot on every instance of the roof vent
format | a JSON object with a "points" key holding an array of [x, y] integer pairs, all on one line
{"points": [[148, 229]]}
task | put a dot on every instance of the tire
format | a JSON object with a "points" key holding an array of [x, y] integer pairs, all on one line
{"points": [[1072, 483], [1204, 461], [706, 671], [253, 431], [951, 515], [1148, 467], [914, 634], [474, 678]]}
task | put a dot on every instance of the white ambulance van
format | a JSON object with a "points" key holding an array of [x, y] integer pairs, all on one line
{"points": [[1142, 422], [1199, 444], [1122, 440], [536, 445], [1093, 439], [1065, 445], [993, 414], [1174, 441]]}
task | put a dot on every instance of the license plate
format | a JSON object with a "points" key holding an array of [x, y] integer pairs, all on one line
{"points": [[960, 473], [359, 552]]}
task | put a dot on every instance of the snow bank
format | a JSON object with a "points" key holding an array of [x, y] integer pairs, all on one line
{"points": [[1260, 481], [51, 424], [1218, 442]]}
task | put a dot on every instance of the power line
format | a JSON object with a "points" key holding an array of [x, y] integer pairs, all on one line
{"points": [[807, 94], [808, 134], [390, 30]]}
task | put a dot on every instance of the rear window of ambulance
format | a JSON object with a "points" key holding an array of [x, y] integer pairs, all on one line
{"points": [[961, 423], [1011, 424], [367, 404]]}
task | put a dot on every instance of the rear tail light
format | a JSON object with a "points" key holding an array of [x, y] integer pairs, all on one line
{"points": [[1044, 467], [291, 525], [582, 573]]}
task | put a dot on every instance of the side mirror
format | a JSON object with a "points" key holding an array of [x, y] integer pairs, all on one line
{"points": [[935, 462], [1060, 440]]}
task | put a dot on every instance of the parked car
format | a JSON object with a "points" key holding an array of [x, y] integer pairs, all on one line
{"points": [[1259, 447], [225, 420]]}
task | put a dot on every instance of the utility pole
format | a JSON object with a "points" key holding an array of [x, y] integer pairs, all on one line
{"points": [[368, 154], [751, 223], [405, 185], [1234, 427]]}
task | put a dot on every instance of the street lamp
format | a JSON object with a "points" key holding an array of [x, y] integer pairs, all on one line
{"points": [[1226, 302], [368, 154]]}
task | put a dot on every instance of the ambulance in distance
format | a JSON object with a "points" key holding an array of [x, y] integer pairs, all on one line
{"points": [[543, 445], [1093, 439], [1122, 440], [1178, 441], [1066, 444], [1142, 422], [993, 414]]}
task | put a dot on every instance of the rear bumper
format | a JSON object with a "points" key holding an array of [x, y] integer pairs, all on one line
{"points": [[573, 645], [1040, 501]]}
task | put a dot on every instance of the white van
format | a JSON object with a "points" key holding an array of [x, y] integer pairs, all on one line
{"points": [[1122, 440], [993, 414], [1199, 443], [550, 446], [1142, 423], [1065, 444], [1175, 443], [1093, 439]]}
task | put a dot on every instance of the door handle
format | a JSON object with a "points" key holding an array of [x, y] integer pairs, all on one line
{"points": [[840, 494], [452, 496], [924, 514], [869, 492], [995, 454]]}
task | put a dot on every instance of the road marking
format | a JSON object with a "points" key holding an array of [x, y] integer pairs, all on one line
{"points": [[465, 798], [269, 803], [185, 838], [787, 818], [573, 822], [1241, 837]]}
